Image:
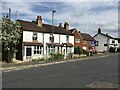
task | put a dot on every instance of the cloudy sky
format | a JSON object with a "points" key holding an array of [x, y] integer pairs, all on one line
{"points": [[84, 15]]}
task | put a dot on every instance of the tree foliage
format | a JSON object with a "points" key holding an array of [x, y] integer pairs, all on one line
{"points": [[10, 36]]}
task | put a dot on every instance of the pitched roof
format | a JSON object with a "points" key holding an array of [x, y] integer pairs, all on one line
{"points": [[32, 26], [68, 44], [87, 37], [71, 30], [106, 35], [54, 44], [33, 43]]}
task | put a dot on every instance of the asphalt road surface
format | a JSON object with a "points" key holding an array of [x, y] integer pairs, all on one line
{"points": [[79, 74]]}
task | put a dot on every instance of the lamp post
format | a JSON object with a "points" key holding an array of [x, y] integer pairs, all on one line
{"points": [[53, 29], [9, 33]]}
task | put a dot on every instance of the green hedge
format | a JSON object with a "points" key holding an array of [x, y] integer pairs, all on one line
{"points": [[118, 49], [77, 50], [112, 50]]}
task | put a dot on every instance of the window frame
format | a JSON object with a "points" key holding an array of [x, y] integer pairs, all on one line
{"points": [[77, 40], [35, 36], [38, 50], [67, 38]]}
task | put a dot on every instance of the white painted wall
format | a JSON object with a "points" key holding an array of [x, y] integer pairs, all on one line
{"points": [[27, 36], [101, 41], [58, 38]]}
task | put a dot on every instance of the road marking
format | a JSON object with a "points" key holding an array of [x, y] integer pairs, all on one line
{"points": [[101, 84]]}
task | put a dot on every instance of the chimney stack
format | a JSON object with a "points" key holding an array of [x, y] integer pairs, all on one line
{"points": [[66, 26], [39, 21], [99, 30], [60, 24]]}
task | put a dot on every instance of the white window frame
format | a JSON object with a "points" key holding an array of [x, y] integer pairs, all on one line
{"points": [[38, 50], [34, 36], [77, 40], [67, 38], [84, 42]]}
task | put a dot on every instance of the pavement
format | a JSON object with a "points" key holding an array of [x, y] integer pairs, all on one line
{"points": [[24, 65], [91, 72]]}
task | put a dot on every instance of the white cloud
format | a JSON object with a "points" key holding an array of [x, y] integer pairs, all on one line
{"points": [[83, 16]]}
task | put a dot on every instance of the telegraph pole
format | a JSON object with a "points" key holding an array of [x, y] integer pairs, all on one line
{"points": [[53, 29], [9, 35]]}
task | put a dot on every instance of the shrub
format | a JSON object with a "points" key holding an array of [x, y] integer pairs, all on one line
{"points": [[118, 49], [77, 50], [84, 51], [69, 56], [38, 59], [91, 53], [112, 50], [57, 56]]}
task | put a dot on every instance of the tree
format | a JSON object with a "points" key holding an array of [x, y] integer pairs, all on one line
{"points": [[10, 38]]}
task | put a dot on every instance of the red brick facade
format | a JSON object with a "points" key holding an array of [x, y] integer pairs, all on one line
{"points": [[81, 44]]}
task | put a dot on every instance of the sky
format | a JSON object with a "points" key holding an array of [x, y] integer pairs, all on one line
{"points": [[86, 16]]}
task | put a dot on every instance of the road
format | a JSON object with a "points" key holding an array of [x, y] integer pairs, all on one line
{"points": [[78, 74]]}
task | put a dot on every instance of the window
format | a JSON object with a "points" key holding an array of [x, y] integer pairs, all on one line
{"points": [[50, 49], [37, 50], [113, 41], [105, 44], [96, 43], [77, 40], [34, 37], [51, 38], [67, 38], [84, 42]]}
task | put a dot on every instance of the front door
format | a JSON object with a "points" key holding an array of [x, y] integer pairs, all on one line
{"points": [[28, 53]]}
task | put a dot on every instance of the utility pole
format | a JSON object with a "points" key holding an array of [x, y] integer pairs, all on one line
{"points": [[9, 35], [53, 29]]}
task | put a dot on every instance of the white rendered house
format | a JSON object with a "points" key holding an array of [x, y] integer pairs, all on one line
{"points": [[36, 40], [105, 41]]}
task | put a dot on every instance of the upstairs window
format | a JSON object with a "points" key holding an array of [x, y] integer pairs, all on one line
{"points": [[77, 40], [84, 42], [113, 41], [67, 38], [34, 37], [51, 38]]}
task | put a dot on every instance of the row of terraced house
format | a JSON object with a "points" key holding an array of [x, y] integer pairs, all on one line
{"points": [[36, 40]]}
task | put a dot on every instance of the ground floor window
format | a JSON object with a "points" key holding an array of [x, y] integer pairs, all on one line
{"points": [[50, 49], [37, 50]]}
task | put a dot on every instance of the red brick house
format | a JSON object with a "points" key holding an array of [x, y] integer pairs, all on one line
{"points": [[83, 40], [88, 42]]}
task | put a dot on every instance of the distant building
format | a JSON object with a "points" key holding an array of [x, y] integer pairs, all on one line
{"points": [[83, 40], [36, 40], [105, 41]]}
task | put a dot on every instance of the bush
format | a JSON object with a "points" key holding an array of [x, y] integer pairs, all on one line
{"points": [[84, 51], [38, 59], [112, 50], [77, 50], [118, 49], [69, 56], [91, 53], [57, 56]]}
